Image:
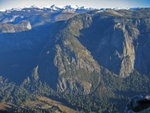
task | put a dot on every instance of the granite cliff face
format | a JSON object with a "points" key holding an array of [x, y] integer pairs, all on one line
{"points": [[72, 59], [88, 43], [118, 43], [101, 54], [11, 28], [76, 69]]}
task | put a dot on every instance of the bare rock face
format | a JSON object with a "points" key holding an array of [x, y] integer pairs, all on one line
{"points": [[68, 11], [119, 44], [26, 25], [74, 67], [88, 42], [114, 48], [118, 49], [6, 28], [74, 86], [71, 58], [127, 54], [13, 28], [77, 71]]}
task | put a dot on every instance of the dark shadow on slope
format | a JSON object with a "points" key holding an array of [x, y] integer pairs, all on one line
{"points": [[98, 37], [19, 52]]}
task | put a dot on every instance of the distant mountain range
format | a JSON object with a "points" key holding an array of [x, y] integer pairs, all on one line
{"points": [[89, 60], [33, 17]]}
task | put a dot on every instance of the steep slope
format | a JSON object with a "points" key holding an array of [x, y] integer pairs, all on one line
{"points": [[115, 42], [93, 62], [20, 51], [110, 39], [68, 66], [11, 28], [110, 45]]}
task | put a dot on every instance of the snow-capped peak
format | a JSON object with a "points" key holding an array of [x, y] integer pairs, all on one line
{"points": [[68, 7], [54, 7]]}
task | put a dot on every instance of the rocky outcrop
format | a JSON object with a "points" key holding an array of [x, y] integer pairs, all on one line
{"points": [[26, 25], [77, 71], [70, 55], [13, 28], [87, 42], [117, 43]]}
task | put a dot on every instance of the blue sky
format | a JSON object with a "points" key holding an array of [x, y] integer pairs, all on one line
{"points": [[8, 4]]}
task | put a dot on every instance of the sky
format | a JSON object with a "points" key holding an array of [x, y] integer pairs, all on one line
{"points": [[8, 4]]}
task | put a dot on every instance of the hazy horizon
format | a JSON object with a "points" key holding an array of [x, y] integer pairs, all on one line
{"points": [[9, 4]]}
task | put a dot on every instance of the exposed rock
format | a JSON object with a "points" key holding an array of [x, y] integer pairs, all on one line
{"points": [[78, 72], [70, 53], [35, 73], [119, 44], [13, 28], [68, 10], [26, 24]]}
